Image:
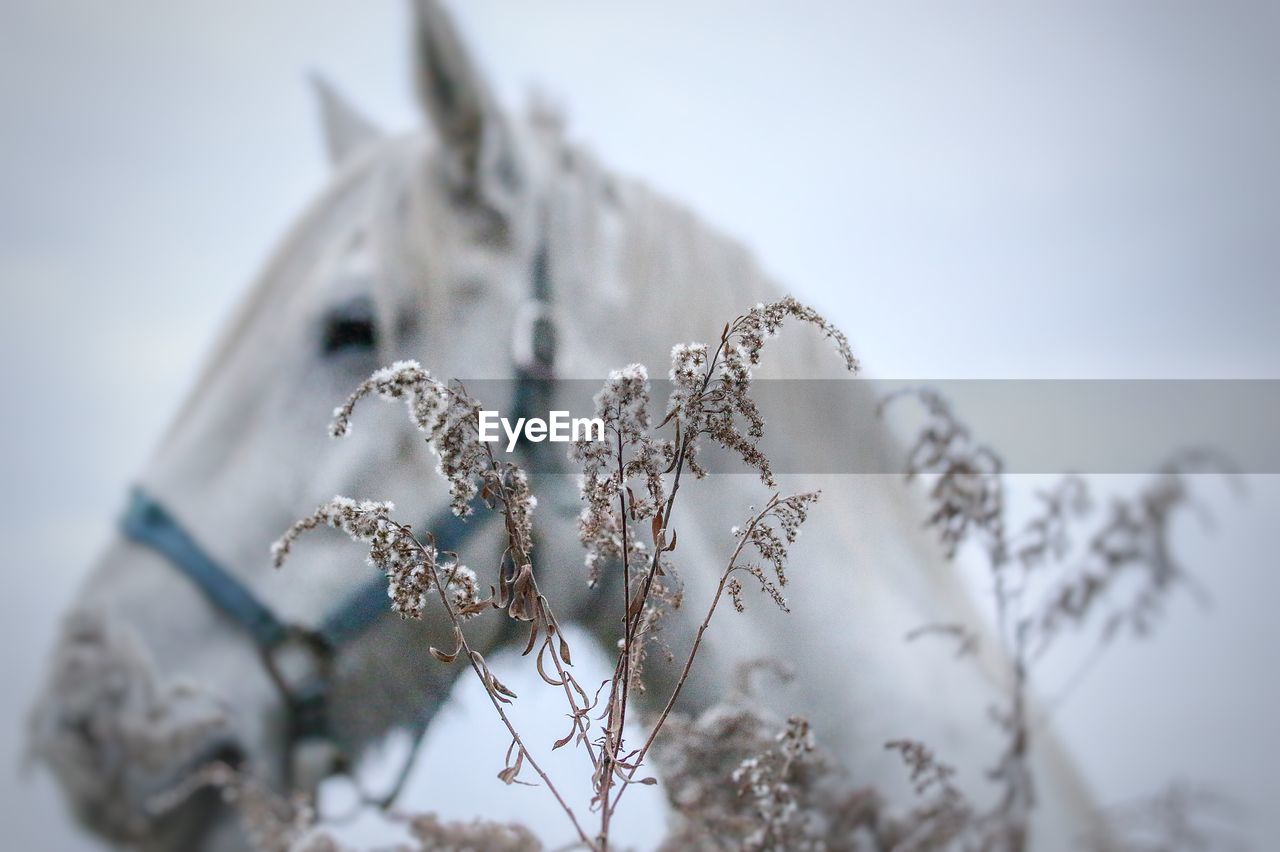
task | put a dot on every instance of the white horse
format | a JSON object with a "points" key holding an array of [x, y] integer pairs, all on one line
{"points": [[424, 246]]}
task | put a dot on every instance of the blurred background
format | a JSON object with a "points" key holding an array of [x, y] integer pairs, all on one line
{"points": [[1044, 190]]}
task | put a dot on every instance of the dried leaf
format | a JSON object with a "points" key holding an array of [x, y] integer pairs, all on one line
{"points": [[508, 775], [564, 651], [495, 687], [441, 655], [533, 638], [524, 604], [542, 672], [477, 607], [501, 688], [449, 656]]}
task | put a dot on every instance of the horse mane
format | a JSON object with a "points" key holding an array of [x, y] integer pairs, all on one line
{"points": [[646, 262]]}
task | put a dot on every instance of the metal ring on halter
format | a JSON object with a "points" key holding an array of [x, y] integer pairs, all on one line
{"points": [[301, 666]]}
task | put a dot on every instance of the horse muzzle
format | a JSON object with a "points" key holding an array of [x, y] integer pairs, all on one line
{"points": [[122, 743]]}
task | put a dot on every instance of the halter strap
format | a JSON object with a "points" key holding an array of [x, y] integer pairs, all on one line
{"points": [[146, 521]]}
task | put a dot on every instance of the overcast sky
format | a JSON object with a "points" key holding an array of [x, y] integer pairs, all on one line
{"points": [[981, 189]]}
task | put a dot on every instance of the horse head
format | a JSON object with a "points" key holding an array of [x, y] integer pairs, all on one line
{"points": [[423, 246]]}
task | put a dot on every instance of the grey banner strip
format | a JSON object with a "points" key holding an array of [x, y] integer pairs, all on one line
{"points": [[1037, 426]]}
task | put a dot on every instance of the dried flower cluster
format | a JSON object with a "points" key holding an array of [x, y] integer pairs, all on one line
{"points": [[763, 778], [967, 492], [448, 416], [412, 568], [710, 400], [272, 823], [711, 393], [608, 467], [771, 543], [416, 568], [944, 819], [739, 780], [1133, 541]]}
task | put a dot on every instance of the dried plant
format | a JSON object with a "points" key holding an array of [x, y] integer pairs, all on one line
{"points": [[737, 778], [1133, 541], [1181, 817], [740, 780], [629, 487], [969, 506], [412, 568], [274, 823], [967, 496], [433, 834], [943, 819]]}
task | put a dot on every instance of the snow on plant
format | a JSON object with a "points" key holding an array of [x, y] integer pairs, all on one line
{"points": [[629, 487], [736, 778]]}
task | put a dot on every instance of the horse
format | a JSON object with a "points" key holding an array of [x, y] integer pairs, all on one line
{"points": [[429, 246]]}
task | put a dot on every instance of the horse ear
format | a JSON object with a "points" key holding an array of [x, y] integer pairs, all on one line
{"points": [[346, 130], [460, 105]]}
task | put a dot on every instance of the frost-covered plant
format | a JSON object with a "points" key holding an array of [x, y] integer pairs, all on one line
{"points": [[445, 413], [413, 568], [737, 778], [968, 503], [433, 834], [274, 823], [629, 487], [711, 393], [1179, 817]]}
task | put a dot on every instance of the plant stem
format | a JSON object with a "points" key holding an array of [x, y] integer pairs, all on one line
{"points": [[497, 705], [697, 643], [617, 714]]}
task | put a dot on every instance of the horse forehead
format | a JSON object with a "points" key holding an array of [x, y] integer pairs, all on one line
{"points": [[377, 217], [388, 213]]}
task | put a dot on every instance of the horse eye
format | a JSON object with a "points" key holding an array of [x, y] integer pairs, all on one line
{"points": [[350, 326]]}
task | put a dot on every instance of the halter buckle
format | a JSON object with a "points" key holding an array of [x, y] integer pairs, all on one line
{"points": [[301, 665], [534, 340]]}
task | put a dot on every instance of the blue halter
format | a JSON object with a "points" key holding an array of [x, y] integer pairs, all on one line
{"points": [[147, 522]]}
